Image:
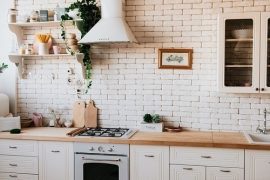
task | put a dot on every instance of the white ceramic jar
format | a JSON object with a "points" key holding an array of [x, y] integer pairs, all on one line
{"points": [[4, 105]]}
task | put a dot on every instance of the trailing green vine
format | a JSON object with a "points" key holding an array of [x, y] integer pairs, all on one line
{"points": [[90, 14]]}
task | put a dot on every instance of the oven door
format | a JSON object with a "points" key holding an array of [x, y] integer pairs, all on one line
{"points": [[101, 167]]}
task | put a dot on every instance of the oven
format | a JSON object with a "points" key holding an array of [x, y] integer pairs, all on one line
{"points": [[101, 161]]}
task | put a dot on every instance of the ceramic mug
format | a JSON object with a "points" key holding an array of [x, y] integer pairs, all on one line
{"points": [[57, 49]]}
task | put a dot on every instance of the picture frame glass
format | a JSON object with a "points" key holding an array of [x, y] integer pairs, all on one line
{"points": [[174, 59]]}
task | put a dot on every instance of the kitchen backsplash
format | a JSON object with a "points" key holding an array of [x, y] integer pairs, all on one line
{"points": [[126, 80]]}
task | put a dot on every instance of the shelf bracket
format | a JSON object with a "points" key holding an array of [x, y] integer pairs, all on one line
{"points": [[19, 62], [79, 58], [17, 30]]}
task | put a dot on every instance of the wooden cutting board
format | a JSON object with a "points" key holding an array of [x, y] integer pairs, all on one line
{"points": [[78, 114], [90, 115]]}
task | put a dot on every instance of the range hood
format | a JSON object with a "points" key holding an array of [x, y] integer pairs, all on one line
{"points": [[112, 27]]}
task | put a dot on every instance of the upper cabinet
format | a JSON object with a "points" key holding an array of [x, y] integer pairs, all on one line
{"points": [[243, 53]]}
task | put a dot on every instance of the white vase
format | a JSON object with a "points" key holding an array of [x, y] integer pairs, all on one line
{"points": [[43, 48]]}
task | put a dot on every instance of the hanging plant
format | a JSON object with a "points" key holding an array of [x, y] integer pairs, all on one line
{"points": [[84, 14], [2, 67]]}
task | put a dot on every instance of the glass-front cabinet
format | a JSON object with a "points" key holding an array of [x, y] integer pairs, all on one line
{"points": [[243, 62]]}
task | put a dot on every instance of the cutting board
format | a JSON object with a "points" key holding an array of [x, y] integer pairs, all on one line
{"points": [[90, 115], [78, 113]]}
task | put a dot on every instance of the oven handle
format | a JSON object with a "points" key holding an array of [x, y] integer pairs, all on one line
{"points": [[111, 160]]}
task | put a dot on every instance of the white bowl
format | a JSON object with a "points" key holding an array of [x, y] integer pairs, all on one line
{"points": [[242, 33]]}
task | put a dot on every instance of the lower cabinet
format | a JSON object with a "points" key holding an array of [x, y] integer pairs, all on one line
{"points": [[257, 165], [14, 176], [149, 162], [191, 163], [56, 161], [184, 172], [219, 173]]}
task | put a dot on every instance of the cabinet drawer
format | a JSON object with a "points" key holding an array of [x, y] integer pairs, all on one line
{"points": [[18, 147], [214, 173], [14, 176], [207, 156], [184, 172], [18, 164]]}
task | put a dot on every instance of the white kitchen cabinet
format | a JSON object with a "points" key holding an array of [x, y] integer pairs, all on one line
{"points": [[56, 161], [184, 172], [196, 163], [149, 162], [243, 46], [257, 165], [265, 50], [18, 159], [219, 173], [14, 176]]}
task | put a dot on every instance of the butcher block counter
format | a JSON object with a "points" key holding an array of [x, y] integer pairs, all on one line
{"points": [[185, 138]]}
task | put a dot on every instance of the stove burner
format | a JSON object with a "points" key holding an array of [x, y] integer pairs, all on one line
{"points": [[104, 132]]}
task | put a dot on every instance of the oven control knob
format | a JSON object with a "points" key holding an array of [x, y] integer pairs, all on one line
{"points": [[111, 150], [92, 149], [100, 149]]}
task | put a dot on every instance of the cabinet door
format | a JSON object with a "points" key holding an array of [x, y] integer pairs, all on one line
{"points": [[183, 172], [265, 53], [56, 161], [257, 165], [14, 176], [239, 53], [149, 162], [218, 173]]}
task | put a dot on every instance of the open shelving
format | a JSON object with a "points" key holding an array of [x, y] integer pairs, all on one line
{"points": [[19, 60]]}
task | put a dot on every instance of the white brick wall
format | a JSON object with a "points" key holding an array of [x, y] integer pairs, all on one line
{"points": [[126, 81]]}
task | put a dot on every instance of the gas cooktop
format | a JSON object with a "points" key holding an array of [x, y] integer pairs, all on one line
{"points": [[104, 132]]}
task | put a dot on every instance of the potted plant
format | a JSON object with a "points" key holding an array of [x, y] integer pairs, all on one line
{"points": [[84, 14], [3, 66], [151, 123]]}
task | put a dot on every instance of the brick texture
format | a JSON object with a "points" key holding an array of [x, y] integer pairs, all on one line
{"points": [[126, 81]]}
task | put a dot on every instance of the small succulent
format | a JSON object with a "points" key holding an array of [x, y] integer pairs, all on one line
{"points": [[147, 118], [2, 67], [156, 118]]}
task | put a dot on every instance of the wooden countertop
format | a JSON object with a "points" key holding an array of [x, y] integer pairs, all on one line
{"points": [[185, 138]]}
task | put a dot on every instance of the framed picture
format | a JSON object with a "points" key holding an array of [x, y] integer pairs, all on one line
{"points": [[175, 58]]}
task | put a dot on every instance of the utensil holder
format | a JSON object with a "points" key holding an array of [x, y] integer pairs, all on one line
{"points": [[43, 48]]}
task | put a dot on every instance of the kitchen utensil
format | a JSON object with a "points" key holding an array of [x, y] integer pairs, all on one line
{"points": [[90, 115], [36, 45], [4, 105], [78, 113]]}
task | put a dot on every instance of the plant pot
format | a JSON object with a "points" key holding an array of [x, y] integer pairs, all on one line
{"points": [[151, 127]]}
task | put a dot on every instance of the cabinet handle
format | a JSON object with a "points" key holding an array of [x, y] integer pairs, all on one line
{"points": [[13, 147], [189, 169], [262, 89], [53, 151], [257, 89], [13, 176], [206, 157], [13, 165], [150, 156], [225, 171]]}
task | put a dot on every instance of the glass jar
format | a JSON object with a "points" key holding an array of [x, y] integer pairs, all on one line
{"points": [[29, 49], [12, 15]]}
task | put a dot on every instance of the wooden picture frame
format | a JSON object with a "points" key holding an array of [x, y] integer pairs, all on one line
{"points": [[175, 58]]}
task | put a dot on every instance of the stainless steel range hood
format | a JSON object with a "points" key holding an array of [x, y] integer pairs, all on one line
{"points": [[112, 28]]}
